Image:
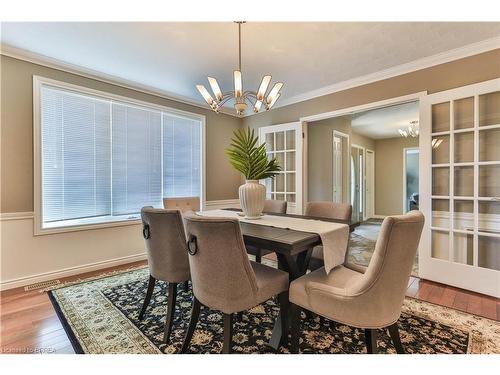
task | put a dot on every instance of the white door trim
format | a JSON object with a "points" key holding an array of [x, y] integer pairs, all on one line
{"points": [[365, 107]]}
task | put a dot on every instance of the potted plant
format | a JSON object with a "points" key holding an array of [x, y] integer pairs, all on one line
{"points": [[251, 160]]}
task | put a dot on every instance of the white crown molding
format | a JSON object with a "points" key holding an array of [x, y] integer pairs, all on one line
{"points": [[49, 62], [426, 62]]}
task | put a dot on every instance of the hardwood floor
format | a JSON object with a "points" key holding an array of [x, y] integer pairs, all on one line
{"points": [[29, 323]]}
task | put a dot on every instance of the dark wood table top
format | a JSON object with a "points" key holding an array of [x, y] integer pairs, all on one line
{"points": [[282, 240]]}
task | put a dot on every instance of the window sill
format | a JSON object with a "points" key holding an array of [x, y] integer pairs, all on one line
{"points": [[87, 224]]}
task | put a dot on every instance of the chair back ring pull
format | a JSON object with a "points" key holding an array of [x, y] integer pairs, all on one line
{"points": [[146, 233], [192, 245]]}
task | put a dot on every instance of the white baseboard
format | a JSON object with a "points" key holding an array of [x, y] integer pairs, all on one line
{"points": [[71, 271], [378, 217]]}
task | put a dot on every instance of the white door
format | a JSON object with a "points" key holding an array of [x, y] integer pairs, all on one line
{"points": [[460, 187], [284, 142], [337, 169], [370, 184]]}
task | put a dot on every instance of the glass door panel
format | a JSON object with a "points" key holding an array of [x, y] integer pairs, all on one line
{"points": [[464, 147], [463, 244], [441, 149], [489, 252], [441, 117], [489, 109], [489, 144], [440, 244], [463, 212], [489, 180], [464, 181], [441, 181], [489, 216], [463, 113], [440, 213]]}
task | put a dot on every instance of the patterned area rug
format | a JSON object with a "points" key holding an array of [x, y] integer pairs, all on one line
{"points": [[100, 316]]}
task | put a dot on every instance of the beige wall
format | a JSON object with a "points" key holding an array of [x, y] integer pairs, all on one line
{"points": [[320, 156], [442, 77], [17, 133], [389, 174]]}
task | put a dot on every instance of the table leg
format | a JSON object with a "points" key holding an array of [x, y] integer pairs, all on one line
{"points": [[295, 268]]}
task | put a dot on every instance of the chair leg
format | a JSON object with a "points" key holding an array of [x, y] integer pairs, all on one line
{"points": [[285, 322], [295, 327], [149, 293], [169, 320], [195, 314], [394, 333], [228, 334], [371, 340]]}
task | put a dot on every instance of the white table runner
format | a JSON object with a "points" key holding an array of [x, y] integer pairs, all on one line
{"points": [[334, 236]]}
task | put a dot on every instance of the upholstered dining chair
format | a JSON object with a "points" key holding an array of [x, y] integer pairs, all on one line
{"points": [[184, 204], [224, 279], [166, 249], [330, 210], [364, 297], [273, 207]]}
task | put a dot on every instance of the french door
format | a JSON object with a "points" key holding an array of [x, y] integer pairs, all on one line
{"points": [[284, 142], [460, 188]]}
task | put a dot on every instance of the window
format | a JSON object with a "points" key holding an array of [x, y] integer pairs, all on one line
{"points": [[101, 158]]}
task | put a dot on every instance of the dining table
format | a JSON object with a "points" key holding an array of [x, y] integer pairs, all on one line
{"points": [[293, 250]]}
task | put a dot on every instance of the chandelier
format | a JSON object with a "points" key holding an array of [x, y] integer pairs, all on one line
{"points": [[411, 131], [241, 98]]}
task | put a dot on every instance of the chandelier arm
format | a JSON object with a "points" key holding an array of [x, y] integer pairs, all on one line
{"points": [[224, 101], [250, 93]]}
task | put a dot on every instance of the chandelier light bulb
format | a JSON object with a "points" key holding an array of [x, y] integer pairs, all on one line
{"points": [[215, 88]]}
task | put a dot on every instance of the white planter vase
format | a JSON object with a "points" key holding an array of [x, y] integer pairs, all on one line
{"points": [[252, 197]]}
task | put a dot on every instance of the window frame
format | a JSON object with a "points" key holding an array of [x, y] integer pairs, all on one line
{"points": [[38, 82]]}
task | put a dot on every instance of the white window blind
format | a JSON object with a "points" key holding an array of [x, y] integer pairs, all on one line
{"points": [[136, 159], [75, 156], [181, 157], [104, 159]]}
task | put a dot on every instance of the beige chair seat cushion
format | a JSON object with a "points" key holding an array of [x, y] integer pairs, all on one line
{"points": [[270, 281], [340, 277]]}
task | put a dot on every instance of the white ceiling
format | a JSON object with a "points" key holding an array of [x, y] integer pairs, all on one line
{"points": [[384, 122], [174, 57]]}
